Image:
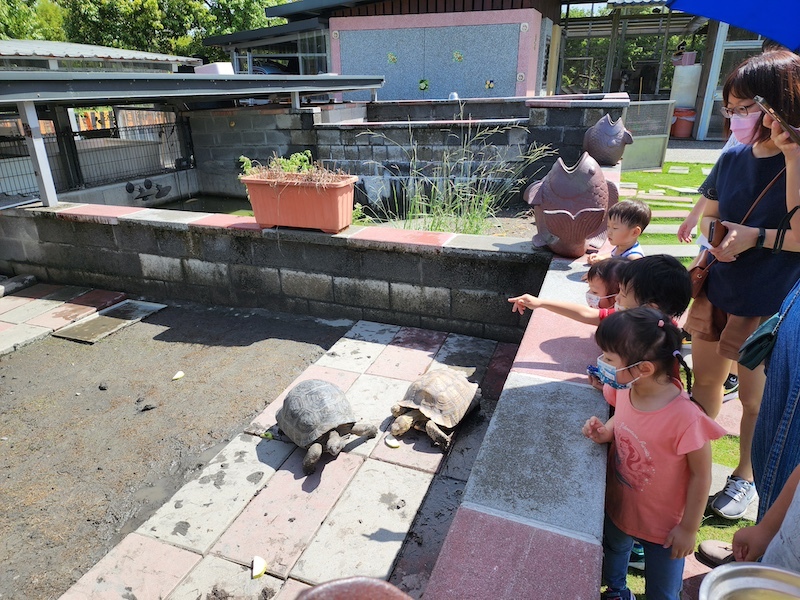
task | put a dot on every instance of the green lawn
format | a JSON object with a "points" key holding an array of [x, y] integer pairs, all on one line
{"points": [[647, 181]]}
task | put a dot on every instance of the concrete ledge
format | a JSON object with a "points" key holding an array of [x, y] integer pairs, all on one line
{"points": [[534, 502]]}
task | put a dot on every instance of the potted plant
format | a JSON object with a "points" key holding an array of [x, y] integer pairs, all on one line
{"points": [[296, 192]]}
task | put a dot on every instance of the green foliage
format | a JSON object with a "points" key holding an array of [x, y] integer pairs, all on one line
{"points": [[465, 187], [18, 20], [647, 181], [298, 167], [299, 162]]}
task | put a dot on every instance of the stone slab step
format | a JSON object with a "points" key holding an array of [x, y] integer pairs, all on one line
{"points": [[671, 214], [79, 307], [39, 306], [39, 290], [281, 520], [365, 531], [665, 198], [201, 510], [230, 580], [663, 228], [13, 337], [108, 320], [138, 567], [12, 285]]}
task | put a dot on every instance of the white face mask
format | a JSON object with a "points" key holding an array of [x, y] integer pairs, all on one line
{"points": [[744, 127], [618, 307], [593, 300]]}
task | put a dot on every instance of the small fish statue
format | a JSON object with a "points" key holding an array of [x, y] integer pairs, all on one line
{"points": [[605, 141], [570, 206]]}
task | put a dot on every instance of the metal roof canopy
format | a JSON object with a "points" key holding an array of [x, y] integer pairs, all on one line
{"points": [[43, 50], [97, 89], [254, 38], [27, 89]]}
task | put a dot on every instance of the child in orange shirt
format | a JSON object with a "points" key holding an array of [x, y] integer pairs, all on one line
{"points": [[659, 468]]}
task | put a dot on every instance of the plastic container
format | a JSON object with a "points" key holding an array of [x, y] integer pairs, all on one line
{"points": [[682, 123], [750, 581], [684, 58]]}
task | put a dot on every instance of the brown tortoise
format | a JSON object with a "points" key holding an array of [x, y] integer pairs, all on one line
{"points": [[435, 403]]}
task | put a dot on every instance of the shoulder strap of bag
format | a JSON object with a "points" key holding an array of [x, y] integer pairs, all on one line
{"points": [[785, 312], [757, 200]]}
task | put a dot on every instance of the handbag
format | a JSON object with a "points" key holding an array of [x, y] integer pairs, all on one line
{"points": [[699, 273], [758, 346]]}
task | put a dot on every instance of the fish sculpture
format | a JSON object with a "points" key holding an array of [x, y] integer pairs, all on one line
{"points": [[570, 206], [605, 141]]}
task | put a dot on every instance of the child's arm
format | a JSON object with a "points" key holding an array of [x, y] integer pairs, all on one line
{"points": [[576, 312], [601, 434], [686, 229], [750, 543], [597, 257], [683, 536]]}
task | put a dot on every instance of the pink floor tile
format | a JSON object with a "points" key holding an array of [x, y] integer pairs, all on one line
{"points": [[486, 556], [139, 567], [34, 292], [281, 520], [419, 339], [403, 236], [99, 299], [5, 326], [693, 573], [556, 347], [291, 590], [224, 221], [416, 451], [730, 416], [401, 363], [62, 316], [498, 369], [97, 213], [342, 379]]}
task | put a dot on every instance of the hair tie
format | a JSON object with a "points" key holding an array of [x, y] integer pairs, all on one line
{"points": [[676, 354], [660, 323]]}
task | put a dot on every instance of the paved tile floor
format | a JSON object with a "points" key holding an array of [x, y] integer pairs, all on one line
{"points": [[351, 517]]}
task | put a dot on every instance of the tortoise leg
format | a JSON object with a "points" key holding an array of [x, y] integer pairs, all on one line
{"points": [[439, 437], [398, 410], [334, 444], [362, 428], [312, 458], [404, 422]]}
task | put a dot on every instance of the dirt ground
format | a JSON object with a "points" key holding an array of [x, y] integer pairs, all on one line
{"points": [[94, 438]]}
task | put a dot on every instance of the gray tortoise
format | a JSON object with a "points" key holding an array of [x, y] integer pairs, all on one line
{"points": [[435, 403], [316, 415]]}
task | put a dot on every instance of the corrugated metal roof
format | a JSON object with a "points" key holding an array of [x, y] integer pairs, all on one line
{"points": [[41, 49]]}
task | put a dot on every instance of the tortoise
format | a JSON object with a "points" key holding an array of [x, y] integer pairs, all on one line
{"points": [[435, 403], [316, 415]]}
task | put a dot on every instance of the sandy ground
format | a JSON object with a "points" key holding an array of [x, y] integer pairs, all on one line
{"points": [[81, 466]]}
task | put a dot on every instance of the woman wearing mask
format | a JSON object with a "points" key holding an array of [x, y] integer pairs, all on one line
{"points": [[750, 280]]}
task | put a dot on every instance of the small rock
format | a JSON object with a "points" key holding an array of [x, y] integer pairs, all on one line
{"points": [[103, 386], [147, 407], [140, 399], [77, 393]]}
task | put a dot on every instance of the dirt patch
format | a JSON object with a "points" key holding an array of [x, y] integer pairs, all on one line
{"points": [[82, 466], [513, 221]]}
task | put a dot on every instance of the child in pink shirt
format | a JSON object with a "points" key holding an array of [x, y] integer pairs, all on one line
{"points": [[659, 468]]}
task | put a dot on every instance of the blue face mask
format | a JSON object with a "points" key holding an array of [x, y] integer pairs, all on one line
{"points": [[607, 374]]}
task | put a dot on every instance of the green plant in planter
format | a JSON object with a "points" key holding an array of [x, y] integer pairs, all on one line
{"points": [[297, 167]]}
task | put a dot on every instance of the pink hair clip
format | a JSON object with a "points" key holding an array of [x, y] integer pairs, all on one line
{"points": [[660, 323]]}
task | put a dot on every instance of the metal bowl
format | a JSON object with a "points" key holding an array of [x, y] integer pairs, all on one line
{"points": [[750, 581]]}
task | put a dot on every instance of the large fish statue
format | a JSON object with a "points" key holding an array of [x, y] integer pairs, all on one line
{"points": [[606, 140], [570, 206]]}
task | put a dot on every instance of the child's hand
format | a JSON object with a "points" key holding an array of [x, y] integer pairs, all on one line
{"points": [[750, 543], [595, 382], [596, 257], [681, 540], [520, 303], [596, 431]]}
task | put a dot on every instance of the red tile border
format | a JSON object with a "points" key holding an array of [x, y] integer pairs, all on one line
{"points": [[403, 236]]}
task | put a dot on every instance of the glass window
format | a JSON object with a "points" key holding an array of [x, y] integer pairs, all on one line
{"points": [[731, 58], [736, 34]]}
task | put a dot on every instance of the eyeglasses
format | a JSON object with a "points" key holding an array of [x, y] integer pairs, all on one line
{"points": [[742, 111]]}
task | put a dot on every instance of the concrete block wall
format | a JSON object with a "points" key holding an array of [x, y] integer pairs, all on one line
{"points": [[442, 281], [379, 141]]}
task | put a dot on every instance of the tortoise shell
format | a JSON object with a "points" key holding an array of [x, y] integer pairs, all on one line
{"points": [[442, 395], [311, 409]]}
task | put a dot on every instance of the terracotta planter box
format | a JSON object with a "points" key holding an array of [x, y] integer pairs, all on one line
{"points": [[328, 207]]}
